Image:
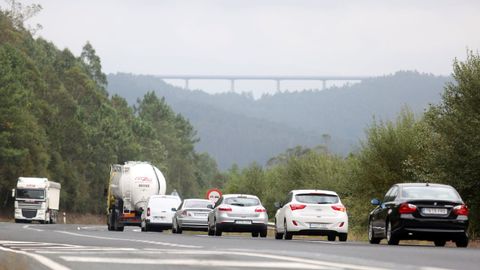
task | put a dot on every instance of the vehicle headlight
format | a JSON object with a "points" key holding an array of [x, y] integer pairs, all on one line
{"points": [[44, 205]]}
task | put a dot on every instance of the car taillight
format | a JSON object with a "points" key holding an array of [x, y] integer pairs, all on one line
{"points": [[225, 209], [406, 208], [148, 211], [294, 206], [339, 207], [460, 210], [260, 210], [184, 213]]}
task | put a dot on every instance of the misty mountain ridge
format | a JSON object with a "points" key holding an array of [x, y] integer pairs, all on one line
{"points": [[237, 128]]}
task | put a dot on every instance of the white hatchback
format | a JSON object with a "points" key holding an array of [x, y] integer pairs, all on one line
{"points": [[311, 212]]}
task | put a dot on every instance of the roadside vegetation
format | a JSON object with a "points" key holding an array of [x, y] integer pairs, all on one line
{"points": [[57, 121], [440, 146]]}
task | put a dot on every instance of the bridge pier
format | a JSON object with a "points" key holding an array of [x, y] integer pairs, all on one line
{"points": [[232, 85], [186, 84], [324, 84], [278, 86]]}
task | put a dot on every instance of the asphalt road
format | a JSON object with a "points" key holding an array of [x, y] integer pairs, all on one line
{"points": [[63, 247]]}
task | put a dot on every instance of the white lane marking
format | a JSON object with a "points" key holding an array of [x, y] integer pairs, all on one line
{"points": [[193, 262], [433, 268], [28, 228], [41, 259], [308, 261], [131, 240]]}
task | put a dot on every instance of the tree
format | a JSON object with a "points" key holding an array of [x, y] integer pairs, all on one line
{"points": [[455, 126], [93, 65]]}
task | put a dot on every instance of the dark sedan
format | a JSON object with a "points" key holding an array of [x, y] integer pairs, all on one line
{"points": [[420, 211]]}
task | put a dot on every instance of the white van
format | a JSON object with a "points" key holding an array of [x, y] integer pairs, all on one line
{"points": [[159, 212]]}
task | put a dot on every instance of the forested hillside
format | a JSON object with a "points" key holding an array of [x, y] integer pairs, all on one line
{"points": [[441, 146], [58, 121], [235, 128]]}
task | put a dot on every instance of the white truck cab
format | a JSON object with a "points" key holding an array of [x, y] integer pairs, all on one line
{"points": [[36, 199]]}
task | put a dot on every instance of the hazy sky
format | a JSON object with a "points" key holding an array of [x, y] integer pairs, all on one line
{"points": [[276, 37]]}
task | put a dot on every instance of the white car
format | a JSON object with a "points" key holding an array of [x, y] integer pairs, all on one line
{"points": [[311, 212], [160, 211], [238, 213]]}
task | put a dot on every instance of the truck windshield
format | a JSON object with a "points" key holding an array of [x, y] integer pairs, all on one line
{"points": [[38, 194]]}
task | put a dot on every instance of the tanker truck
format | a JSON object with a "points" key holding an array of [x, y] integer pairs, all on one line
{"points": [[36, 199], [129, 188]]}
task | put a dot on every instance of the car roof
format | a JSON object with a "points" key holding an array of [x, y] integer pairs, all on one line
{"points": [[165, 197], [239, 195], [193, 199], [299, 191], [422, 185]]}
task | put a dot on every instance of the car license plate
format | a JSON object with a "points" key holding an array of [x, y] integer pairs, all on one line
{"points": [[434, 211], [200, 215], [243, 222], [318, 225]]}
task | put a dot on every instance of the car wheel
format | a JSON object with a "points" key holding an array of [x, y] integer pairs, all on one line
{"points": [[174, 227], [288, 235], [462, 241], [218, 232], [264, 233], [179, 229], [342, 237], [371, 234], [278, 235], [254, 234], [331, 237], [391, 239], [440, 243], [211, 232]]}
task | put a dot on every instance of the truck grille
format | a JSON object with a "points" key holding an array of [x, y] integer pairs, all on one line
{"points": [[29, 213], [29, 205]]}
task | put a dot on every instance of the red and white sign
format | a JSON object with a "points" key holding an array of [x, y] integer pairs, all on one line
{"points": [[214, 194]]}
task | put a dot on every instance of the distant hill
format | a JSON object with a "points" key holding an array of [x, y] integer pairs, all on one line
{"points": [[235, 128]]}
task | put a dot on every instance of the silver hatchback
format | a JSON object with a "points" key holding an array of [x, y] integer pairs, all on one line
{"points": [[238, 213], [192, 215]]}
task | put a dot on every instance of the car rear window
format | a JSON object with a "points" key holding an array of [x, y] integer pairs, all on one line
{"points": [[164, 203], [197, 204], [317, 198], [242, 201], [430, 193]]}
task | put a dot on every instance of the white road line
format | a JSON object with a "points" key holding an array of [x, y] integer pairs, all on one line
{"points": [[194, 262], [41, 259], [131, 240], [28, 228], [308, 261]]}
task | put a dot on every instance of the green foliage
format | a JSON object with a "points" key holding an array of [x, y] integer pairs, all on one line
{"points": [[455, 142], [57, 121]]}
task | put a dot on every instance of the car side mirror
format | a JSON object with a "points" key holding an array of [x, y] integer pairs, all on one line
{"points": [[174, 209], [375, 201], [13, 193], [278, 204]]}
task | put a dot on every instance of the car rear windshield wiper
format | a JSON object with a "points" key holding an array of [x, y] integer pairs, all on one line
{"points": [[238, 204]]}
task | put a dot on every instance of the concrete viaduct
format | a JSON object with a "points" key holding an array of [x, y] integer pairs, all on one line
{"points": [[277, 79]]}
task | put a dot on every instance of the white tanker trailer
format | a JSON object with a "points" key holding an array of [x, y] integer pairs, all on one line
{"points": [[129, 188]]}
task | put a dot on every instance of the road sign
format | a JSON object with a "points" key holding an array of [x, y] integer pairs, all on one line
{"points": [[214, 194]]}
